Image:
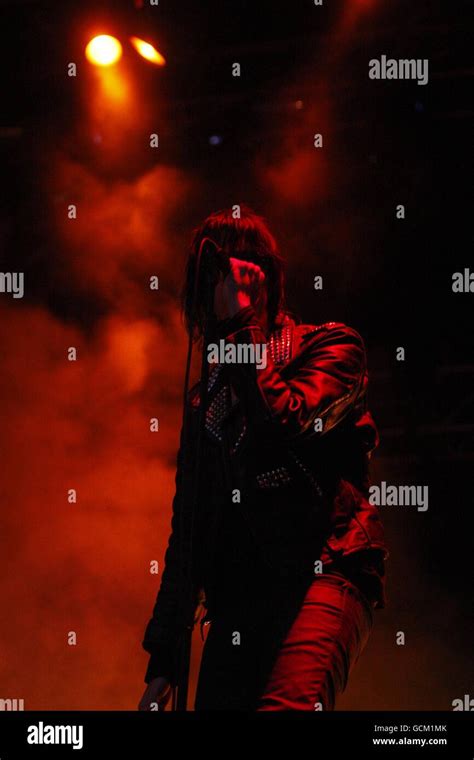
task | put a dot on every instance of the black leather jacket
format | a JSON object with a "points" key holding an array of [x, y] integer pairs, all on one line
{"points": [[299, 436]]}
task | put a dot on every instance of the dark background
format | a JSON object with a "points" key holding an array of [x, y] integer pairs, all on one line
{"points": [[304, 69]]}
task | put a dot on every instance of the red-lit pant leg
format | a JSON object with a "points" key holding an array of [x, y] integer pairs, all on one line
{"points": [[323, 643]]}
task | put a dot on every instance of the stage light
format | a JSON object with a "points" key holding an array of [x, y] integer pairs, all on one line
{"points": [[146, 50], [103, 50]]}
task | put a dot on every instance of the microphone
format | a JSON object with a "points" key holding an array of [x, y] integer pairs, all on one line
{"points": [[212, 258]]}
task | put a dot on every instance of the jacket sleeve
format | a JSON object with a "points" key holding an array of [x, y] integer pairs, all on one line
{"points": [[162, 634], [329, 373]]}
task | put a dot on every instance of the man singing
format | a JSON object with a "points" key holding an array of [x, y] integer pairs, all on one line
{"points": [[288, 553]]}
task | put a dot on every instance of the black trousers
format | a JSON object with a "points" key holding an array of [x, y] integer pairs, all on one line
{"points": [[292, 652]]}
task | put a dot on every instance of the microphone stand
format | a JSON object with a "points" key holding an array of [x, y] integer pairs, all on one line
{"points": [[191, 490]]}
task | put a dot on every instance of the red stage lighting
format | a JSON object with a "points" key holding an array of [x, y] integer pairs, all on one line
{"points": [[104, 50]]}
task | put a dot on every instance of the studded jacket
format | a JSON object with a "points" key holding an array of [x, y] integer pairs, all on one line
{"points": [[284, 475]]}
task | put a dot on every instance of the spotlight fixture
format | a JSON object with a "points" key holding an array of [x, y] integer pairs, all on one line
{"points": [[148, 51]]}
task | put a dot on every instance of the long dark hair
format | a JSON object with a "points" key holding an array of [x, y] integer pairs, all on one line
{"points": [[243, 235]]}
